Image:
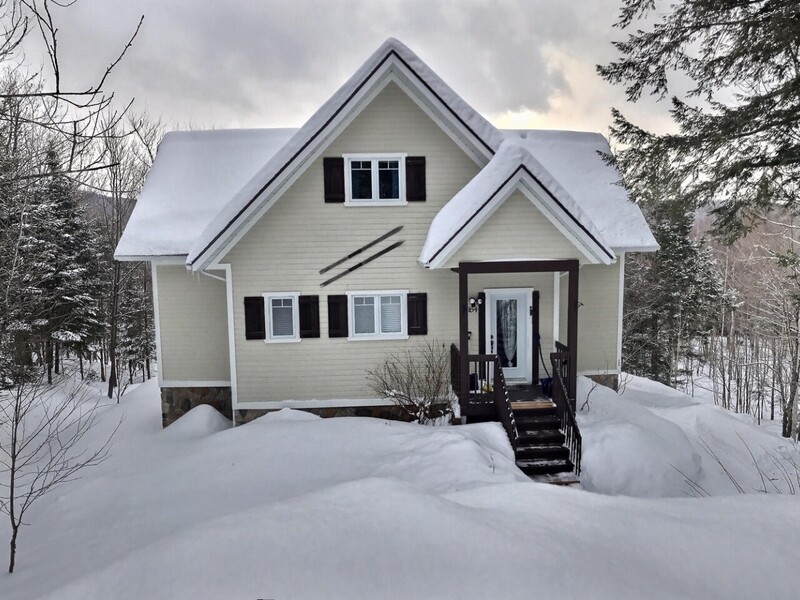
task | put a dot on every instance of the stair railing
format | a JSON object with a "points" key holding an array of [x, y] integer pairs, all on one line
{"points": [[566, 414], [502, 404]]}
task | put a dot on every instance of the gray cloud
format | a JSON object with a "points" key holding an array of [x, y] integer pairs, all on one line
{"points": [[269, 63]]}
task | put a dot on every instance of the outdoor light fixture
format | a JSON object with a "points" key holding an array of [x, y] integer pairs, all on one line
{"points": [[474, 303]]}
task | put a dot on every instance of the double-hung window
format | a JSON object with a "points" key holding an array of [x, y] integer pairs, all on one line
{"points": [[375, 179], [282, 317], [378, 315]]}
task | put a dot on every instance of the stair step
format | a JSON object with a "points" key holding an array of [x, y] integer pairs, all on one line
{"points": [[540, 466], [544, 452], [536, 422], [541, 437], [537, 405]]}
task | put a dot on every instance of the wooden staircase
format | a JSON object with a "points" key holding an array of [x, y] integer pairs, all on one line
{"points": [[540, 447]]}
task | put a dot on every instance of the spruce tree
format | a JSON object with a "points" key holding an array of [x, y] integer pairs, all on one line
{"points": [[737, 145]]}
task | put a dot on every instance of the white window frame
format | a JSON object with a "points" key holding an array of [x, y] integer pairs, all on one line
{"points": [[377, 294], [282, 339], [374, 158]]}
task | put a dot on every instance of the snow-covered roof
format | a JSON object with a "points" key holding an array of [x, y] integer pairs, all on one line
{"points": [[205, 187], [193, 176], [581, 187], [391, 54], [573, 159]]}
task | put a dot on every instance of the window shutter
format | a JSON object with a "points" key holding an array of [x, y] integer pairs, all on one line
{"points": [[254, 322], [418, 314], [309, 316], [415, 178], [337, 316], [333, 167]]}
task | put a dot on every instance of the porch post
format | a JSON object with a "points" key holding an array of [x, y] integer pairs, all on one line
{"points": [[463, 331], [572, 330]]}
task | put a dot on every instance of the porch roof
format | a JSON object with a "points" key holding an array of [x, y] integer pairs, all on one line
{"points": [[576, 185]]}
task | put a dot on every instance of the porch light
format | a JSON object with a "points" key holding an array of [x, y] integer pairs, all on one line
{"points": [[474, 303]]}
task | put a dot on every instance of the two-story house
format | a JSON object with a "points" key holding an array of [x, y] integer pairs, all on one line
{"points": [[288, 262]]}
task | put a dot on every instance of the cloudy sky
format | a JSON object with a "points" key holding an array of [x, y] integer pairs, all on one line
{"points": [[267, 63]]}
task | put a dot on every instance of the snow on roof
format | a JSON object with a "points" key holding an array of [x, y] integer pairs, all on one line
{"points": [[513, 156], [204, 184], [573, 159], [482, 129], [193, 176], [569, 166]]}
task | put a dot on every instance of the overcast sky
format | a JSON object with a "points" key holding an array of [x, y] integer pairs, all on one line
{"points": [[268, 63]]}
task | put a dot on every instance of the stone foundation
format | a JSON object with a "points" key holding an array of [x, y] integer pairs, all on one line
{"points": [[176, 402], [610, 380], [391, 413]]}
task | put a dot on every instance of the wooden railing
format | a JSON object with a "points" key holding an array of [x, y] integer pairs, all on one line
{"points": [[503, 404], [486, 384], [564, 405], [455, 371]]}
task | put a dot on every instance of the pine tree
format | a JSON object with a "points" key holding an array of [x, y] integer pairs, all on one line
{"points": [[737, 148]]}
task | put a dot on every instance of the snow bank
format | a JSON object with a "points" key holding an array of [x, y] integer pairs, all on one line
{"points": [[655, 441], [292, 506], [200, 421], [627, 449]]}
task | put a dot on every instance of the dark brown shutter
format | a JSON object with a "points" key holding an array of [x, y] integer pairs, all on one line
{"points": [[418, 314], [333, 167], [337, 316], [309, 316], [254, 322], [415, 178]]}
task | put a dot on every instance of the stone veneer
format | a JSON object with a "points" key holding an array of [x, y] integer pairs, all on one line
{"points": [[610, 380], [176, 402], [392, 413]]}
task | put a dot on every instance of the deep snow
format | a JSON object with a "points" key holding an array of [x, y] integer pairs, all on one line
{"points": [[293, 506]]}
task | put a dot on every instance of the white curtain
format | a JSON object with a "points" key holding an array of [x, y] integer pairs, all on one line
{"points": [[507, 330]]}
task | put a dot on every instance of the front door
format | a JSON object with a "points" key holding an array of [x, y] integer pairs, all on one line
{"points": [[508, 331]]}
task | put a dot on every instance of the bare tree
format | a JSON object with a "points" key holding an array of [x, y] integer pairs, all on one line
{"points": [[416, 380], [42, 431], [130, 154]]}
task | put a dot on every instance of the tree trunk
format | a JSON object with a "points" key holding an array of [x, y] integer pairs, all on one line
{"points": [[48, 351], [57, 361]]}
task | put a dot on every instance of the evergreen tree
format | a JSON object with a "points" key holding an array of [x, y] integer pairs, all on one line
{"points": [[737, 149], [67, 275], [673, 296]]}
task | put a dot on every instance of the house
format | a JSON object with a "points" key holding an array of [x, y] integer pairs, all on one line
{"points": [[288, 262]]}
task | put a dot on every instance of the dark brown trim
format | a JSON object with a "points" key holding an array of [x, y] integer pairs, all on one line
{"points": [[535, 337], [463, 335], [572, 333], [518, 266], [360, 250], [497, 191], [329, 121], [369, 259], [465, 269]]}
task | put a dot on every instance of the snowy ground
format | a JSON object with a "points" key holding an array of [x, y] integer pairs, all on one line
{"points": [[292, 506]]}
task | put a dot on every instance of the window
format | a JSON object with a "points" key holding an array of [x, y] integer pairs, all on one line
{"points": [[282, 317], [375, 179], [378, 315]]}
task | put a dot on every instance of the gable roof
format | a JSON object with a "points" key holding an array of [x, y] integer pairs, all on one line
{"points": [[512, 167], [186, 209], [574, 159], [565, 171], [191, 178], [392, 57]]}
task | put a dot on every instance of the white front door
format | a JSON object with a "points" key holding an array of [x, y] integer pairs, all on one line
{"points": [[508, 333]]}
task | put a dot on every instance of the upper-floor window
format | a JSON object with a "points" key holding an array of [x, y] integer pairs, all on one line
{"points": [[375, 179]]}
